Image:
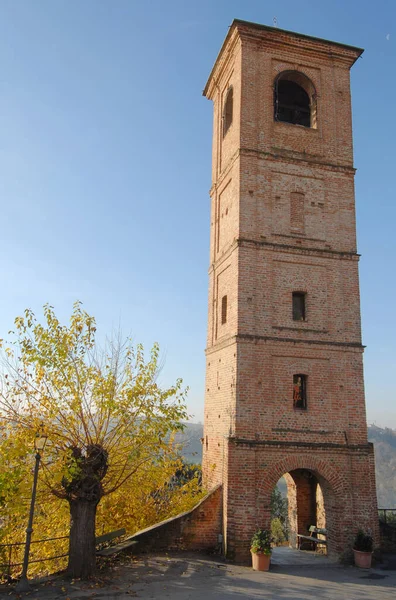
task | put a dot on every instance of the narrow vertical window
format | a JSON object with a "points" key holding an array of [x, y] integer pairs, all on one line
{"points": [[298, 306], [300, 391], [297, 212], [228, 110], [224, 310]]}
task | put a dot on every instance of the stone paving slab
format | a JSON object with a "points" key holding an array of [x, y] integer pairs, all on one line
{"points": [[284, 556], [196, 577]]}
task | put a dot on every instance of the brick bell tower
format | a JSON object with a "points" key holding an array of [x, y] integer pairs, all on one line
{"points": [[284, 374]]}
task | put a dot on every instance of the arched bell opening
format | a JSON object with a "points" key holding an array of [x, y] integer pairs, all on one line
{"points": [[295, 99]]}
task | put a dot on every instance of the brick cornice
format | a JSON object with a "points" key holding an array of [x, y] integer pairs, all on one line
{"points": [[280, 155], [221, 63], [320, 50], [275, 38], [309, 342], [367, 448], [220, 344], [248, 337], [343, 254], [224, 172], [219, 261], [307, 45], [288, 248]]}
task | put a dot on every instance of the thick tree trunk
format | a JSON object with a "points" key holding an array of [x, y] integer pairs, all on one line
{"points": [[82, 558]]}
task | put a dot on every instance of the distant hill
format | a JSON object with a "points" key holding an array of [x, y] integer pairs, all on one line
{"points": [[191, 441], [384, 441], [385, 458]]}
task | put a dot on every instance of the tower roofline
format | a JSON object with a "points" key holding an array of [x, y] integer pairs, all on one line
{"points": [[273, 32]]}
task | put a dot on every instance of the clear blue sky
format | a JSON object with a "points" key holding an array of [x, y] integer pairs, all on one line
{"points": [[105, 151]]}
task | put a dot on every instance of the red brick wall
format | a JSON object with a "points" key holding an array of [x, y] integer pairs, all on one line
{"points": [[264, 173], [255, 467], [197, 529]]}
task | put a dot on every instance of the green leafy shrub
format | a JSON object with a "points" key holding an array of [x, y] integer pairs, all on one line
{"points": [[279, 517], [277, 532], [261, 541], [363, 541]]}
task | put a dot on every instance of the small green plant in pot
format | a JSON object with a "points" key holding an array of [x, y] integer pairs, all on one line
{"points": [[260, 548], [363, 549]]}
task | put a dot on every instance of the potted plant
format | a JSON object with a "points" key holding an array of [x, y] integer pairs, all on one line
{"points": [[260, 548], [363, 549]]}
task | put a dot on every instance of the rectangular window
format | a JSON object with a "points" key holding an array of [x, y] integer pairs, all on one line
{"points": [[224, 310], [300, 391], [298, 306]]}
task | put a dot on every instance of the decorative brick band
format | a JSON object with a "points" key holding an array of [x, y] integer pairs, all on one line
{"points": [[299, 250], [309, 159], [250, 337], [367, 448]]}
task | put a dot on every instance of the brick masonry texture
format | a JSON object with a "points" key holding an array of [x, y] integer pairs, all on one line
{"points": [[194, 530], [283, 220]]}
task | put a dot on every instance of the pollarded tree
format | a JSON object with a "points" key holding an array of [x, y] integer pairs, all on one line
{"points": [[105, 416]]}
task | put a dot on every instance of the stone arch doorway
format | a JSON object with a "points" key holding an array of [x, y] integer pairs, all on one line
{"points": [[306, 494], [317, 495]]}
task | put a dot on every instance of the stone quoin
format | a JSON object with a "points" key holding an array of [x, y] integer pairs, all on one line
{"points": [[284, 392]]}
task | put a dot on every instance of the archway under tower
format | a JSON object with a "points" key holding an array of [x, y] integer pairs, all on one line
{"points": [[297, 504]]}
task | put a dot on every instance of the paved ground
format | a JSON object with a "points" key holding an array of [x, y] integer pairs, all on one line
{"points": [[293, 576]]}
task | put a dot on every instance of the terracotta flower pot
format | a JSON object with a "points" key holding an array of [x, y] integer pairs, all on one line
{"points": [[362, 559], [260, 561]]}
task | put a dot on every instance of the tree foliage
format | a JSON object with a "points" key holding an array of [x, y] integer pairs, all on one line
{"points": [[279, 516], [109, 426]]}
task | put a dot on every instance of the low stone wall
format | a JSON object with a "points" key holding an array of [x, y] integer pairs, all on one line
{"points": [[197, 529]]}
